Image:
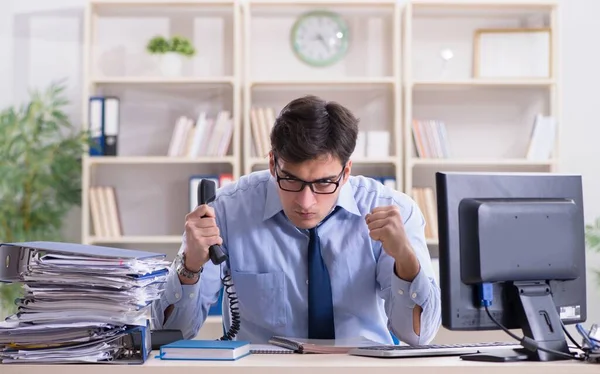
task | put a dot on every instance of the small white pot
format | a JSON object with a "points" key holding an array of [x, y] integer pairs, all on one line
{"points": [[171, 64]]}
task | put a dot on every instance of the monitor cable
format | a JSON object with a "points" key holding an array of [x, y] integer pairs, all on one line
{"points": [[526, 342]]}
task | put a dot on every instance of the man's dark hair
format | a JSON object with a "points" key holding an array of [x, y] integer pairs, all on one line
{"points": [[310, 127]]}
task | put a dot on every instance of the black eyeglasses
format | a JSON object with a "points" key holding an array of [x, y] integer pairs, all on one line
{"points": [[322, 186]]}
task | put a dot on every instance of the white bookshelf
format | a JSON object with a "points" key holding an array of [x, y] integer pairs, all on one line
{"points": [[367, 79], [488, 121], [151, 187], [391, 74]]}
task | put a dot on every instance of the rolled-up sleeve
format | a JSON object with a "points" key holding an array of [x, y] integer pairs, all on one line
{"points": [[402, 296], [190, 302]]}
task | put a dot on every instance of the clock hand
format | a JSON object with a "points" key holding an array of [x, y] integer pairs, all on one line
{"points": [[320, 37]]}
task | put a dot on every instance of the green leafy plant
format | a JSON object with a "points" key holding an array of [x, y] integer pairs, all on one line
{"points": [[592, 240], [40, 172], [176, 44]]}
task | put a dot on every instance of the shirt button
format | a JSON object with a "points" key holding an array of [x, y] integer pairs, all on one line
{"points": [[177, 295], [414, 295], [401, 292], [192, 295], [307, 281]]}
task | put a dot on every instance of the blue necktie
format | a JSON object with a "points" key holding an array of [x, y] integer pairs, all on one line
{"points": [[320, 303]]}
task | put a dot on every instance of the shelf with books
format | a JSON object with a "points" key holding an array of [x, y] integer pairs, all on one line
{"points": [[137, 205], [161, 120], [471, 102], [364, 77], [378, 138], [483, 126]]}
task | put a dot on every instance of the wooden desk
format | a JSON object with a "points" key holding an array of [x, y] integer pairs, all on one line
{"points": [[314, 364]]}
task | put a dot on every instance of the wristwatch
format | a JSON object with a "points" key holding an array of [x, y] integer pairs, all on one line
{"points": [[185, 272]]}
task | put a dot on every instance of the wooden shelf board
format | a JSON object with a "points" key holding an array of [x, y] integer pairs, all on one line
{"points": [[323, 3], [146, 3], [477, 82], [432, 241], [482, 161], [373, 161], [501, 4], [101, 160], [377, 160], [320, 82], [163, 80]]}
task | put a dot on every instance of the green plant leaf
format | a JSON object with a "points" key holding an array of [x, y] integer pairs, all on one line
{"points": [[41, 155], [177, 44]]}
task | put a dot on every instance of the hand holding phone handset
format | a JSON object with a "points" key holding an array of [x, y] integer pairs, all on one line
{"points": [[206, 194]]}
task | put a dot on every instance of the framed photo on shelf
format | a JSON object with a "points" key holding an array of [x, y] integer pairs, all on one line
{"points": [[512, 53]]}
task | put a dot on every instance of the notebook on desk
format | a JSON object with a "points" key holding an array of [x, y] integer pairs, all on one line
{"points": [[219, 350], [269, 349], [332, 346]]}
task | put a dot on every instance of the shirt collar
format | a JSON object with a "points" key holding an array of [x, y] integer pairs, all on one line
{"points": [[273, 206], [272, 203]]}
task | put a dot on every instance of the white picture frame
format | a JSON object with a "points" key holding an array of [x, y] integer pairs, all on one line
{"points": [[520, 53]]}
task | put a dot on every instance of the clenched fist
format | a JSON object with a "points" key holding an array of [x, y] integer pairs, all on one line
{"points": [[385, 225], [201, 231]]}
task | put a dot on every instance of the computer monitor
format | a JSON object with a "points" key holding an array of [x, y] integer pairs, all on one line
{"points": [[514, 241]]}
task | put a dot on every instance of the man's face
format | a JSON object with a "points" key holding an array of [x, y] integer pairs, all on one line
{"points": [[306, 208]]}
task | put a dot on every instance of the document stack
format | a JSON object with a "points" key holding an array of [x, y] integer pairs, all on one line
{"points": [[86, 304]]}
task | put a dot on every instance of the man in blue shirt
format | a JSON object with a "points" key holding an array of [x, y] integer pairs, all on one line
{"points": [[313, 251]]}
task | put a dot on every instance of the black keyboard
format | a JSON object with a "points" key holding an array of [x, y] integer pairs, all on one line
{"points": [[431, 350]]}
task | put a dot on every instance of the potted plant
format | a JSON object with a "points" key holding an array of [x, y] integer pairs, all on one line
{"points": [[40, 173], [592, 240], [171, 53]]}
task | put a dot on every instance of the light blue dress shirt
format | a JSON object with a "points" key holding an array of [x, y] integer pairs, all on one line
{"points": [[268, 265]]}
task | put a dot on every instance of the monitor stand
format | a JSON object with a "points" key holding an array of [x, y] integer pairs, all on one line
{"points": [[539, 321]]}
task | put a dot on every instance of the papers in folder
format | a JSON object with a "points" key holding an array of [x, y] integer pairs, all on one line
{"points": [[80, 304]]}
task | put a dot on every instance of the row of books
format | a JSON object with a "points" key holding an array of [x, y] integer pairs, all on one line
{"points": [[430, 139], [104, 207], [543, 136], [204, 137], [261, 123], [104, 212], [425, 199]]}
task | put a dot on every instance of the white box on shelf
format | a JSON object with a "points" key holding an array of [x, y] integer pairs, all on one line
{"points": [[360, 150], [378, 144]]}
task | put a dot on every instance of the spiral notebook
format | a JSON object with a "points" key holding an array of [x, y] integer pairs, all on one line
{"points": [[339, 346], [268, 349]]}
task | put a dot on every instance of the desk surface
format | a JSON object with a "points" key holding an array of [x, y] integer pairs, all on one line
{"points": [[313, 364]]}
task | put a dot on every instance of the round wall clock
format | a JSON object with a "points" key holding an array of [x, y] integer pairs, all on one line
{"points": [[319, 38]]}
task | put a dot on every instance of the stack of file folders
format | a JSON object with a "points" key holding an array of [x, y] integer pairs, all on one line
{"points": [[81, 304]]}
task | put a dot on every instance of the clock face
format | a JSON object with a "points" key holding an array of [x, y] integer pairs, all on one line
{"points": [[319, 38]]}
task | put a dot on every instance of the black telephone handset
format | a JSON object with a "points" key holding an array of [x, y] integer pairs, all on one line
{"points": [[206, 194]]}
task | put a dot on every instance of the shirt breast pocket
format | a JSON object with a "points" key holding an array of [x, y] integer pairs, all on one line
{"points": [[261, 297]]}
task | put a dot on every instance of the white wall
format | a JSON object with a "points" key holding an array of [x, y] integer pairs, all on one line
{"points": [[41, 40]]}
